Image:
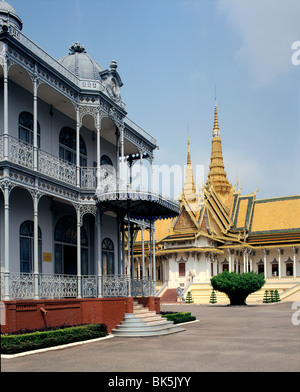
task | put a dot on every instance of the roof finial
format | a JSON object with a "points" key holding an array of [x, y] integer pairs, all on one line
{"points": [[216, 130]]}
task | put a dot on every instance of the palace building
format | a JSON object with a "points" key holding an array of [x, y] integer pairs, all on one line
{"points": [[220, 229], [66, 200]]}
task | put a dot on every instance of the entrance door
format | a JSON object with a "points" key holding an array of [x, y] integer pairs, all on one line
{"points": [[70, 260]]}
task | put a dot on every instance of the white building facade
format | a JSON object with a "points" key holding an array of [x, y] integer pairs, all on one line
{"points": [[66, 145]]}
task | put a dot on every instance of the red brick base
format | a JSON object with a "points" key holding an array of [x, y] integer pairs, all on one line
{"points": [[36, 314]]}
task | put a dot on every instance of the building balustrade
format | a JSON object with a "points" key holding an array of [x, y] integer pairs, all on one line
{"points": [[24, 286]]}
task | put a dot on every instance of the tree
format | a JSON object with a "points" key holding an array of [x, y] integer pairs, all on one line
{"points": [[237, 286]]}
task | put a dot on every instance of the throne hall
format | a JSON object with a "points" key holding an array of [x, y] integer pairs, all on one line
{"points": [[220, 229]]}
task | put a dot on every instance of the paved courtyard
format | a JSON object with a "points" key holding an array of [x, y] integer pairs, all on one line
{"points": [[258, 338]]}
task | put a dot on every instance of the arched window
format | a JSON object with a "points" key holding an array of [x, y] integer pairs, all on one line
{"points": [[108, 257], [105, 160], [65, 237], [27, 247], [67, 147], [26, 129]]}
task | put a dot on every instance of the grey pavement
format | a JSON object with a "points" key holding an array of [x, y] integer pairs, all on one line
{"points": [[255, 338]]}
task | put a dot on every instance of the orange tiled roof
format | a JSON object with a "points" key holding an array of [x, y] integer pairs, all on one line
{"points": [[276, 214]]}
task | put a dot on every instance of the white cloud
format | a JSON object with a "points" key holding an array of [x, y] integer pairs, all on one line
{"points": [[267, 29]]}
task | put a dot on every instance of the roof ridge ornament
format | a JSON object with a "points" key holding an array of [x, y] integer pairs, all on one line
{"points": [[77, 48]]}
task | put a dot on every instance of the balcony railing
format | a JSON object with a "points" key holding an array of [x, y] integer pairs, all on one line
{"points": [[23, 286]]}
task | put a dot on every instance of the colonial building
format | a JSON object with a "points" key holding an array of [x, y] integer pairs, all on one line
{"points": [[66, 200], [220, 229]]}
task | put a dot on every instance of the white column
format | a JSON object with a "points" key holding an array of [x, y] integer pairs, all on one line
{"points": [[99, 252], [279, 263], [141, 170], [98, 126], [36, 243], [265, 263], [78, 126], [78, 213], [154, 260], [230, 259], [7, 189], [35, 124], [245, 259], [143, 250], [5, 107], [122, 174], [294, 263], [129, 256]]}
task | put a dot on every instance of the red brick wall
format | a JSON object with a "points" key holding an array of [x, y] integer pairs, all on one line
{"points": [[24, 314]]}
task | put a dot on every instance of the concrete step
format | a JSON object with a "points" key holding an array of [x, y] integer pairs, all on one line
{"points": [[135, 332], [145, 323]]}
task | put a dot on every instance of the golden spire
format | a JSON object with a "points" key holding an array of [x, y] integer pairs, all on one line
{"points": [[216, 130], [217, 176], [189, 190]]}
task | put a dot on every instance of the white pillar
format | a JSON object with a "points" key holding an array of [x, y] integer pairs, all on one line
{"points": [[143, 251], [230, 259], [78, 213], [122, 171], [294, 263], [99, 252], [245, 259], [6, 239], [36, 244], [154, 260], [35, 124], [279, 263], [129, 255], [5, 107], [78, 126], [98, 126], [141, 170], [265, 263]]}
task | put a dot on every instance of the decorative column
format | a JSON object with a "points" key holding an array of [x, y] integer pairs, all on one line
{"points": [[230, 259], [123, 246], [36, 196], [35, 122], [129, 256], [117, 158], [143, 250], [294, 262], [154, 260], [279, 263], [245, 259], [121, 171], [98, 127], [5, 106], [78, 126], [6, 187], [141, 169], [265, 263], [99, 251], [78, 216]]}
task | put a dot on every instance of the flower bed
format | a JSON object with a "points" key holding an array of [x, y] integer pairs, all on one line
{"points": [[17, 343], [178, 318]]}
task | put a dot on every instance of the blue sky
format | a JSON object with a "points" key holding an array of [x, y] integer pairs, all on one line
{"points": [[173, 55]]}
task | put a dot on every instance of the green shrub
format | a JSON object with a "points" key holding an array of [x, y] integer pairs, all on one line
{"points": [[237, 286], [12, 344], [178, 318]]}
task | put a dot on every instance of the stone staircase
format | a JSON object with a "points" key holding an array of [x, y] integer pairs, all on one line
{"points": [[169, 297], [143, 322]]}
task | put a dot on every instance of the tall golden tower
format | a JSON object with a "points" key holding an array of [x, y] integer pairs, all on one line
{"points": [[189, 190], [217, 177]]}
